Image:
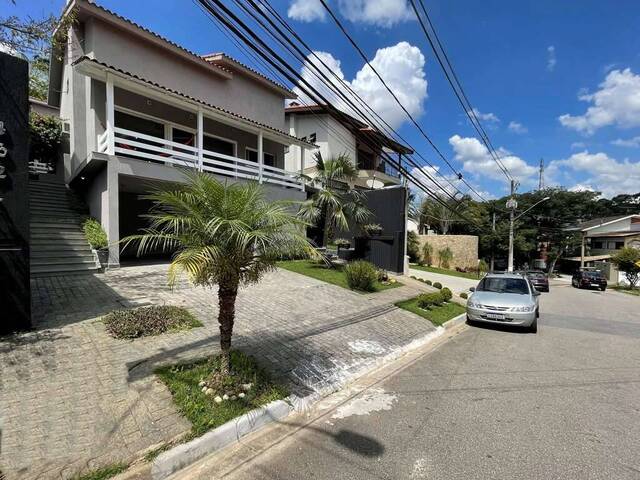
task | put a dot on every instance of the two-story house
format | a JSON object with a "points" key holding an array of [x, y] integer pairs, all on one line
{"points": [[343, 134], [139, 108]]}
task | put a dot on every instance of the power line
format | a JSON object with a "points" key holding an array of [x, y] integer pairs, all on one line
{"points": [[457, 88], [220, 12]]}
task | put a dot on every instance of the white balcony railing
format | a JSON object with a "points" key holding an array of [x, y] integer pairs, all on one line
{"points": [[147, 147]]}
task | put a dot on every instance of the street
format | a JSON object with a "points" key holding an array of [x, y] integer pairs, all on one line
{"points": [[489, 403]]}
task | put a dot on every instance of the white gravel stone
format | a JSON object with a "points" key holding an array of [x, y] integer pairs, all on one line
{"points": [[241, 395], [225, 397], [218, 399]]}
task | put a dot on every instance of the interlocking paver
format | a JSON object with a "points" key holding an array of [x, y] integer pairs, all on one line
{"points": [[71, 396]]}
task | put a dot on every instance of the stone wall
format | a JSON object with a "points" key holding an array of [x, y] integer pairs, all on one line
{"points": [[464, 248]]}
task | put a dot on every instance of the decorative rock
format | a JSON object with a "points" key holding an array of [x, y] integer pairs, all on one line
{"points": [[209, 391], [241, 395], [202, 383], [233, 397], [225, 397], [247, 386], [217, 399], [204, 389]]}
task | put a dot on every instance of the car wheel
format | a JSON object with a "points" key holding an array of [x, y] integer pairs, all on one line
{"points": [[603, 289], [533, 328]]}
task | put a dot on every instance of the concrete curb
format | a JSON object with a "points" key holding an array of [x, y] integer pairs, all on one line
{"points": [[185, 454]]}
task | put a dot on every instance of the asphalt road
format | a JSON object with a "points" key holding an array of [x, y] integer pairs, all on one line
{"points": [[491, 404]]}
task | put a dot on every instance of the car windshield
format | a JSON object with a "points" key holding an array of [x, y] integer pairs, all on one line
{"points": [[536, 275], [503, 285], [592, 274]]}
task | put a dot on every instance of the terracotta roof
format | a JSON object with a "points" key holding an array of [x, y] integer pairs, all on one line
{"points": [[85, 59], [220, 56], [362, 127], [201, 59]]}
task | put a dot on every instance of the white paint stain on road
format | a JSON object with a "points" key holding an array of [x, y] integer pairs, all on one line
{"points": [[374, 400], [366, 346], [420, 469]]}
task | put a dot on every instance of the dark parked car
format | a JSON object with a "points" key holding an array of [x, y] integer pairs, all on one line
{"points": [[589, 279], [539, 280]]}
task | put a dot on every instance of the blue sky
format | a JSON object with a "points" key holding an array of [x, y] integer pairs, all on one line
{"points": [[525, 62]]}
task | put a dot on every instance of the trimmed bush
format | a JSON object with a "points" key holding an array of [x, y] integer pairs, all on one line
{"points": [[446, 294], [427, 253], [428, 300], [464, 295], [428, 282], [361, 275], [147, 321], [95, 234], [437, 285]]}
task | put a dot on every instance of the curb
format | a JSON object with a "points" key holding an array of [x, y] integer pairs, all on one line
{"points": [[185, 454]]}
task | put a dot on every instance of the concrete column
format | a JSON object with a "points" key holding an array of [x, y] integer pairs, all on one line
{"points": [[200, 139], [111, 223], [260, 156], [110, 115]]}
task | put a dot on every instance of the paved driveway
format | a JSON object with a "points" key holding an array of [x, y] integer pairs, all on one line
{"points": [[456, 284], [492, 404], [71, 397]]}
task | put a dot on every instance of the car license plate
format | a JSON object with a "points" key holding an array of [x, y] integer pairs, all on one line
{"points": [[495, 316], [595, 284]]}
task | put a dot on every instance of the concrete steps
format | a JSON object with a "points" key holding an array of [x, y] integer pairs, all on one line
{"points": [[58, 244]]}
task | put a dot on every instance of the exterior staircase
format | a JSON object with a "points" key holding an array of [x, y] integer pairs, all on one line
{"points": [[58, 244]]}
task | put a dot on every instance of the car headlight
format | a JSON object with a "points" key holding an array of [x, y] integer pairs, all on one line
{"points": [[473, 304], [526, 308]]}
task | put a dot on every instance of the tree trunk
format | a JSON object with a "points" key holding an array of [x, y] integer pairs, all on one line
{"points": [[327, 226], [227, 303]]}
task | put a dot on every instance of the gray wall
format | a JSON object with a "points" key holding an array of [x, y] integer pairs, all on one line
{"points": [[240, 95]]}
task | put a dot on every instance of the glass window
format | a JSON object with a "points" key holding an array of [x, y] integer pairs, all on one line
{"points": [[269, 159], [251, 155], [183, 137], [218, 145], [503, 285], [619, 245], [139, 125]]}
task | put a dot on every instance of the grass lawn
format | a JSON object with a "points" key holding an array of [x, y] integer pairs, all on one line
{"points": [[334, 276], [443, 271], [437, 315], [201, 409], [625, 289]]}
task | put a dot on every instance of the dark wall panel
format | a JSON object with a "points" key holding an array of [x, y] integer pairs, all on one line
{"points": [[15, 307]]}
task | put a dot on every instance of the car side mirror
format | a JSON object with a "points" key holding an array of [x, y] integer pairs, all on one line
{"points": [[472, 289], [536, 293]]}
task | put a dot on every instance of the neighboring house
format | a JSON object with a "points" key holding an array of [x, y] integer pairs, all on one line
{"points": [[343, 134], [604, 237], [136, 106]]}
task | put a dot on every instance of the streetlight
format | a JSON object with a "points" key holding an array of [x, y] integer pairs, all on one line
{"points": [[512, 205]]}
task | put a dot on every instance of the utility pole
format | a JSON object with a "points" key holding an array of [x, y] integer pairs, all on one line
{"points": [[493, 228], [511, 205], [541, 175]]}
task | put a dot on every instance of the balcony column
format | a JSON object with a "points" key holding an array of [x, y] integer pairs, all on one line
{"points": [[200, 139], [110, 115], [260, 156]]}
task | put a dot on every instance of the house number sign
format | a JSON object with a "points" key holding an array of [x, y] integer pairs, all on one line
{"points": [[3, 154]]}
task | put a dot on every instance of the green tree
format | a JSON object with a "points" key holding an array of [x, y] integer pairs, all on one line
{"points": [[413, 246], [39, 78], [444, 257], [220, 234], [427, 253], [335, 202], [628, 261]]}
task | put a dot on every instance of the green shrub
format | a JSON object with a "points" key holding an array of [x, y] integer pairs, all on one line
{"points": [[464, 295], [342, 243], [383, 276], [361, 275], [146, 321], [95, 234], [372, 228], [446, 294], [427, 254], [428, 282], [45, 137], [413, 247], [428, 300], [444, 257], [483, 266], [437, 285]]}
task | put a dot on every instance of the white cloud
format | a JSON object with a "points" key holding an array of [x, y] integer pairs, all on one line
{"points": [[485, 117], [577, 145], [617, 102], [603, 173], [551, 58], [381, 13], [307, 10], [402, 68], [579, 187], [517, 127], [476, 159], [629, 142]]}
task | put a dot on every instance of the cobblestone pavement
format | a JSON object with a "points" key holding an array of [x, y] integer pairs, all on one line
{"points": [[73, 398]]}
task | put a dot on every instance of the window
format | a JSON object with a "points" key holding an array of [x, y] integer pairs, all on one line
{"points": [[598, 245], [619, 245], [139, 125], [503, 285], [219, 145], [269, 159], [252, 156], [611, 245], [312, 138], [183, 137]]}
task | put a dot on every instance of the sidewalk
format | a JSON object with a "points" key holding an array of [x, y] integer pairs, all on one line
{"points": [[456, 284], [71, 397]]}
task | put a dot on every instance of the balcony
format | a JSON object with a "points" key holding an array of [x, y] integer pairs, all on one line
{"points": [[129, 143]]}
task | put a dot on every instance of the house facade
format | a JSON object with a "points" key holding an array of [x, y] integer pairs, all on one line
{"points": [[343, 134], [139, 109]]}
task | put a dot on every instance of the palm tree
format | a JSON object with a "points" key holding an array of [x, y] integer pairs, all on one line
{"points": [[335, 201], [220, 234]]}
